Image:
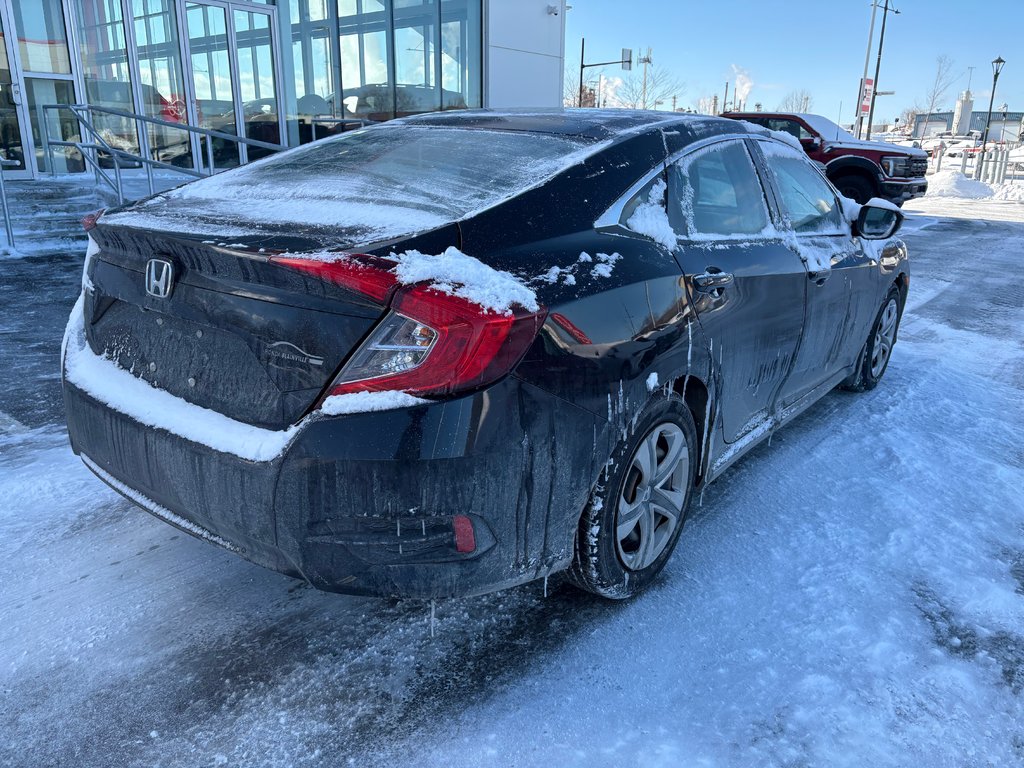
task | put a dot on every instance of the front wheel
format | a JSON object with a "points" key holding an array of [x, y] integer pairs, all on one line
{"points": [[636, 513], [874, 357]]}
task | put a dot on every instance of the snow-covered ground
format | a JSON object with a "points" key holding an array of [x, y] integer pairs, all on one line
{"points": [[852, 594]]}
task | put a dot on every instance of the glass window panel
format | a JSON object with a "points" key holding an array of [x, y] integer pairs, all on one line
{"points": [[11, 145], [105, 71], [807, 199], [716, 191], [416, 57], [161, 80], [211, 76], [256, 82], [42, 37], [62, 125], [461, 53], [367, 91]]}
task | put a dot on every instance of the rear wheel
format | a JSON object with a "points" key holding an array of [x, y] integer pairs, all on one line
{"points": [[874, 358], [857, 188], [636, 513]]}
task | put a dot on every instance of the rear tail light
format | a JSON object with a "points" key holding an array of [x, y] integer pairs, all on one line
{"points": [[429, 343], [90, 220]]}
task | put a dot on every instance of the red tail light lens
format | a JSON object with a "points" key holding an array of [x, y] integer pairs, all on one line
{"points": [[368, 275], [90, 220], [456, 346], [430, 343]]}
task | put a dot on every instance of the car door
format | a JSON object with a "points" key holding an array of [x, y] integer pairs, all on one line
{"points": [[747, 286], [838, 270]]}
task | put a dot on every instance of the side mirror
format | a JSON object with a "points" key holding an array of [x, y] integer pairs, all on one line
{"points": [[878, 220], [813, 143]]}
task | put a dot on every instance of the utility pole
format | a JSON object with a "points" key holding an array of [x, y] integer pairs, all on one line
{"points": [[725, 99], [878, 66], [864, 78], [645, 60]]}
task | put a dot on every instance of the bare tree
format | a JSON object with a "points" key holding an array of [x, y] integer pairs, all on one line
{"points": [[703, 104], [944, 79], [909, 116], [659, 87], [796, 101]]}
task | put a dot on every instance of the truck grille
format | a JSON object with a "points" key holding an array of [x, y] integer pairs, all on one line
{"points": [[918, 166]]}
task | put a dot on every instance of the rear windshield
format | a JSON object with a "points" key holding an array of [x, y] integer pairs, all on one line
{"points": [[427, 172]]}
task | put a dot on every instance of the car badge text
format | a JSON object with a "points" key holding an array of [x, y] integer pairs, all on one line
{"points": [[159, 278]]}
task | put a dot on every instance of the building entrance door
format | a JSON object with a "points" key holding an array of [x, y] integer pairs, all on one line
{"points": [[12, 108], [233, 78]]}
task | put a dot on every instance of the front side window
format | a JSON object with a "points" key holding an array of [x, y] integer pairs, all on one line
{"points": [[807, 200], [716, 192]]}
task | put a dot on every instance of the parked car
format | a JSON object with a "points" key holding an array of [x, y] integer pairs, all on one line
{"points": [[462, 351], [860, 170], [1017, 157]]}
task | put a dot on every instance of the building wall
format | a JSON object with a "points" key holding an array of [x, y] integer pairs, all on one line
{"points": [[999, 130], [524, 60]]}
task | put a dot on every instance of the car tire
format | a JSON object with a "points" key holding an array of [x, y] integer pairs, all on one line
{"points": [[637, 510], [857, 188], [877, 350]]}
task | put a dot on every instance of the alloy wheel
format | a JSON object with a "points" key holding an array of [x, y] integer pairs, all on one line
{"points": [[885, 336], [653, 492]]}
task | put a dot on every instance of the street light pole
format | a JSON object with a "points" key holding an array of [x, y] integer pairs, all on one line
{"points": [[997, 67], [867, 61], [878, 66]]}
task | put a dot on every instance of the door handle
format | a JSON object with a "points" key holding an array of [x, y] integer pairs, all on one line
{"points": [[711, 280], [819, 277]]}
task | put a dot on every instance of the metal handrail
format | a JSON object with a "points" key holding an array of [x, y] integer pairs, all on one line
{"points": [[98, 144], [8, 226]]}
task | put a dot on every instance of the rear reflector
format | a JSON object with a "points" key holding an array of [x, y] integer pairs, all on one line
{"points": [[465, 539]]}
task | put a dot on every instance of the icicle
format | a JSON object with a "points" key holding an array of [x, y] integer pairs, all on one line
{"points": [[431, 618], [700, 503], [545, 586], [770, 436], [423, 525]]}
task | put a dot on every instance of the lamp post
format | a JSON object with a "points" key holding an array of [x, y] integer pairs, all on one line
{"points": [[626, 61], [878, 65], [997, 67]]}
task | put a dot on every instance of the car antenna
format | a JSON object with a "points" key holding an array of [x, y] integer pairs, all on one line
{"points": [[839, 117]]}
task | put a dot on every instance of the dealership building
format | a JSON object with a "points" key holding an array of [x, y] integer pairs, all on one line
{"points": [[278, 73]]}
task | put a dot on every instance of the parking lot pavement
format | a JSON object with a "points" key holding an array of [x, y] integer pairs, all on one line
{"points": [[851, 594]]}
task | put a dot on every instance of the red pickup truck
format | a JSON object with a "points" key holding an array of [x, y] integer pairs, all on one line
{"points": [[858, 169]]}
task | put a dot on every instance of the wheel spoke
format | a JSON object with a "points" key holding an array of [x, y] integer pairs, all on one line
{"points": [[647, 459], [644, 555], [669, 464], [629, 514], [668, 502]]}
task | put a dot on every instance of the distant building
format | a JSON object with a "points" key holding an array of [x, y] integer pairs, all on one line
{"points": [[964, 119], [277, 71]]}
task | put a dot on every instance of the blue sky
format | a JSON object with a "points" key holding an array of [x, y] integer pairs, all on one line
{"points": [[816, 45]]}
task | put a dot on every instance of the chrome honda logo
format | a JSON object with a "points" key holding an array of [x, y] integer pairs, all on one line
{"points": [[159, 278]]}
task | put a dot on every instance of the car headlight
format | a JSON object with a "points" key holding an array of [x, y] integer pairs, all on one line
{"points": [[896, 166]]}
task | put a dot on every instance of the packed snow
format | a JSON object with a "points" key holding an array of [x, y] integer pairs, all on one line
{"points": [[651, 218], [956, 184], [872, 614], [457, 274], [107, 382], [363, 402]]}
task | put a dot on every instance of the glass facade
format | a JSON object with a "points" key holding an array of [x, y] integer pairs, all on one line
{"points": [[281, 72]]}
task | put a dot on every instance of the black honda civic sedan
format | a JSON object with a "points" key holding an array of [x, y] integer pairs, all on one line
{"points": [[458, 352]]}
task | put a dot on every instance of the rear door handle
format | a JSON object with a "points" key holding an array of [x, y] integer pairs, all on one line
{"points": [[711, 280], [820, 277]]}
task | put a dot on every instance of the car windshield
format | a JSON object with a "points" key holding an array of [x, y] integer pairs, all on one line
{"points": [[442, 172]]}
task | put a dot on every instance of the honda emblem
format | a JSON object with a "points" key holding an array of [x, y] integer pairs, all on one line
{"points": [[159, 278]]}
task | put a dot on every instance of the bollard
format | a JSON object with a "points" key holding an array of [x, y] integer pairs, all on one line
{"points": [[938, 163], [963, 162]]}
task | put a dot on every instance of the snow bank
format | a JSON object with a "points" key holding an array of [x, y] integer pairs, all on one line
{"points": [[651, 218], [1010, 192], [956, 184], [457, 274]]}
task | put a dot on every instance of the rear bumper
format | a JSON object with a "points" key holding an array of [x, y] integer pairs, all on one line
{"points": [[901, 191], [366, 503]]}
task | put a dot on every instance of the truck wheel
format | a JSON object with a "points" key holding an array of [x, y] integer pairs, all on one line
{"points": [[857, 188]]}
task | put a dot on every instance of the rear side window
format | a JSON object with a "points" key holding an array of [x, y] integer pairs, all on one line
{"points": [[716, 192], [808, 201]]}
